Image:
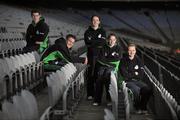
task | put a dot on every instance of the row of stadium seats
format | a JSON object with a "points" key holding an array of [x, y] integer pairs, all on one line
{"points": [[20, 74], [163, 61], [173, 110], [58, 82], [3, 29], [166, 57], [120, 101], [11, 36], [22, 60], [64, 88], [26, 68], [22, 106], [162, 74], [11, 44], [113, 90]]}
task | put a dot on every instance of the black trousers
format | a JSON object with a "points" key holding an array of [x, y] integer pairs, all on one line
{"points": [[141, 92], [103, 79], [91, 75]]}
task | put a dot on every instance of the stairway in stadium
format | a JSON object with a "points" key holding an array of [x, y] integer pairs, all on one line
{"points": [[86, 111]]}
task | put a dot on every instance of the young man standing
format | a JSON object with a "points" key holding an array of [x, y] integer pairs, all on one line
{"points": [[37, 33], [95, 39]]}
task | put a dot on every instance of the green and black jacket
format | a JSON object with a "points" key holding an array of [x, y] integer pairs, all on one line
{"points": [[110, 57], [37, 33], [59, 53]]}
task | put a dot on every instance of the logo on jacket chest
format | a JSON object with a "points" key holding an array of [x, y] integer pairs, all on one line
{"points": [[39, 33], [89, 38], [112, 54], [115, 53], [136, 67]]}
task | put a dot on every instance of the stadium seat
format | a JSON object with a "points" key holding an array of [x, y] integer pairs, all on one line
{"points": [[45, 115], [108, 115], [10, 110]]}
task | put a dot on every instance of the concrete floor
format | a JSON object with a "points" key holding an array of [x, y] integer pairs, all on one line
{"points": [[86, 111]]}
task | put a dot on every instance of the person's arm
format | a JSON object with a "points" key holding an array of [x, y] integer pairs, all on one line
{"points": [[104, 35], [124, 70], [101, 55], [28, 35], [87, 39], [101, 40], [116, 55]]}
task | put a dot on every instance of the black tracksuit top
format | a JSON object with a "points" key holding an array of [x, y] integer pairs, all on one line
{"points": [[129, 67], [108, 54], [61, 46], [94, 39], [36, 33]]}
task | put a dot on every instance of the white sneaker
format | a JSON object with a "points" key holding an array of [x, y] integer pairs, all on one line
{"points": [[145, 112], [139, 112], [95, 104], [89, 97], [109, 104]]}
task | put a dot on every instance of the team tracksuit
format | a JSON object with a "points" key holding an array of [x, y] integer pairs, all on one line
{"points": [[94, 40], [37, 33], [108, 60]]}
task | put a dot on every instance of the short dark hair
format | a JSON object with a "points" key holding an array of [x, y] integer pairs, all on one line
{"points": [[59, 41], [95, 16], [70, 36], [111, 34], [35, 11]]}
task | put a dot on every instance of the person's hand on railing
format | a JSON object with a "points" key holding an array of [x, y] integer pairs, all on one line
{"points": [[38, 43], [86, 61]]}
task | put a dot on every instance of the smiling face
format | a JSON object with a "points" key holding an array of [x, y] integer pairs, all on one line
{"points": [[70, 42], [95, 22], [36, 17], [131, 51], [112, 40]]}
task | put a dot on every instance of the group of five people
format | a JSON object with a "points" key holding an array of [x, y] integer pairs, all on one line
{"points": [[103, 56]]}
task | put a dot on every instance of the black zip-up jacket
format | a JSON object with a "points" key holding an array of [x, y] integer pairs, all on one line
{"points": [[129, 67], [108, 54], [61, 46], [36, 33], [94, 39]]}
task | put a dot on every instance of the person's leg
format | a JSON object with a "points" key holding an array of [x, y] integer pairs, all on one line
{"points": [[145, 93], [98, 91], [99, 84], [90, 79], [136, 93], [107, 76]]}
